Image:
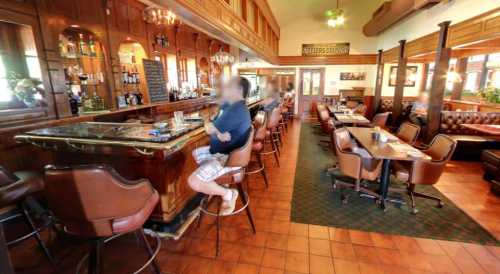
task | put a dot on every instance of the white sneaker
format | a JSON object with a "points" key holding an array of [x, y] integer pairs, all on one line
{"points": [[228, 206]]}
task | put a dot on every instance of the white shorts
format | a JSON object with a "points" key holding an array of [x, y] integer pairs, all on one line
{"points": [[210, 166]]}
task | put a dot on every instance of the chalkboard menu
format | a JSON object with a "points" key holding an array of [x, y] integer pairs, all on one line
{"points": [[155, 79]]}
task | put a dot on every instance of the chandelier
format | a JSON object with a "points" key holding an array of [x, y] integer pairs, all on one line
{"points": [[222, 58], [159, 16], [335, 17]]}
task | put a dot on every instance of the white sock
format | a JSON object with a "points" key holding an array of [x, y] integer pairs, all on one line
{"points": [[228, 196]]}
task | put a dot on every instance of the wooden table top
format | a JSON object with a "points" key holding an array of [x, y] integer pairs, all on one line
{"points": [[351, 118], [485, 128], [393, 149]]}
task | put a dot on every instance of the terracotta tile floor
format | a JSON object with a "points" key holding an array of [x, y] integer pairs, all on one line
{"points": [[281, 246]]}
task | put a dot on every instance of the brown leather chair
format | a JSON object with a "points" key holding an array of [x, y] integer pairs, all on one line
{"points": [[353, 165], [408, 132], [16, 190], [360, 109], [425, 172], [259, 123], [272, 134], [379, 120], [239, 159], [95, 202]]}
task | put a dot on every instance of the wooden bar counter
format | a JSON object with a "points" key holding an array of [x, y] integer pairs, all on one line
{"points": [[135, 153]]}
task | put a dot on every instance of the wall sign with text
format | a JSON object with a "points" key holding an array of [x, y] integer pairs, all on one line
{"points": [[329, 49]]}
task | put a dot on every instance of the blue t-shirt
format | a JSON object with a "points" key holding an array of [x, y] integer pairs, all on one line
{"points": [[235, 119]]}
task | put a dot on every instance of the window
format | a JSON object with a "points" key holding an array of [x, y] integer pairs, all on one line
{"points": [[191, 70], [172, 71], [19, 61]]}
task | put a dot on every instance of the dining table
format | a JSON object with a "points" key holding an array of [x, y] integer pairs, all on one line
{"points": [[351, 118], [484, 128], [387, 147]]}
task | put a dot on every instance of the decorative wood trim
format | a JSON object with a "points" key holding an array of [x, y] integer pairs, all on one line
{"points": [[422, 45], [361, 59], [390, 56], [218, 15], [483, 27]]}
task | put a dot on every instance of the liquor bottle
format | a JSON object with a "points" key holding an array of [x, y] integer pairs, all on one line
{"points": [[87, 102], [97, 101], [124, 75], [92, 47], [70, 48], [84, 50], [73, 104]]}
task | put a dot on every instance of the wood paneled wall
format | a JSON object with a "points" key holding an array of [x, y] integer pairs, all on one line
{"points": [[113, 22]]}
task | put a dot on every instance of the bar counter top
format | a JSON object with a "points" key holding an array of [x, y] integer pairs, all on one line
{"points": [[144, 138]]}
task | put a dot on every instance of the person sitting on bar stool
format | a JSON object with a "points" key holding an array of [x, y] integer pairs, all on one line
{"points": [[273, 98], [228, 131]]}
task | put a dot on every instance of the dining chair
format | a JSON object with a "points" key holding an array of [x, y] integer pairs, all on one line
{"points": [[354, 165], [408, 132], [425, 171], [379, 120], [360, 109]]}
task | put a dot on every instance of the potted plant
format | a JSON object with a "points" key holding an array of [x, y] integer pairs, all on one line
{"points": [[490, 95], [27, 90]]}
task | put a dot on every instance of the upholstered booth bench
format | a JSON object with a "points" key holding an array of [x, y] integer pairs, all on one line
{"points": [[491, 166], [470, 142]]}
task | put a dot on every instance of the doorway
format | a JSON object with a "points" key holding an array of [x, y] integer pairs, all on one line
{"points": [[311, 88]]}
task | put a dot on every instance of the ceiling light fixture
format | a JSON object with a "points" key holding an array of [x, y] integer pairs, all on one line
{"points": [[335, 17], [159, 16], [222, 58]]}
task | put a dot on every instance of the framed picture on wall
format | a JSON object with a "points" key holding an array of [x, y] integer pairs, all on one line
{"points": [[411, 76], [352, 76]]}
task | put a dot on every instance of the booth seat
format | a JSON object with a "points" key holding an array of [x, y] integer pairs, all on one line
{"points": [[470, 142], [386, 105]]}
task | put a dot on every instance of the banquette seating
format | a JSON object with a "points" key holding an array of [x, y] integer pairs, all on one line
{"points": [[470, 142]]}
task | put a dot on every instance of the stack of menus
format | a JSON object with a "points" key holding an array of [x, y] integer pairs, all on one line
{"points": [[155, 80]]}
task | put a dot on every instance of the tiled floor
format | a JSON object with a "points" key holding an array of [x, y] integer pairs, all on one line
{"points": [[280, 246]]}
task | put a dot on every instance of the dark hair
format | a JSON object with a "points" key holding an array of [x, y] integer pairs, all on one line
{"points": [[290, 86], [244, 84]]}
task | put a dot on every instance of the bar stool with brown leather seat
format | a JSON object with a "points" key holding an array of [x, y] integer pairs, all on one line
{"points": [[408, 132], [423, 171], [272, 135], [239, 159], [259, 124], [16, 190], [352, 164], [96, 203]]}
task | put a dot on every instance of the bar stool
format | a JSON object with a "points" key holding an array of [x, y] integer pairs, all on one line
{"points": [[258, 145], [16, 190], [96, 203], [240, 159], [272, 137]]}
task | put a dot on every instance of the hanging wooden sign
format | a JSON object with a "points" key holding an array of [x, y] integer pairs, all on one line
{"points": [[327, 49]]}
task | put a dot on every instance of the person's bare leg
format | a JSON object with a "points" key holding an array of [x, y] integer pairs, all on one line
{"points": [[209, 188]]}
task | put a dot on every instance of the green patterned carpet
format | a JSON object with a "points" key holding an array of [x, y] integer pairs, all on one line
{"points": [[315, 202]]}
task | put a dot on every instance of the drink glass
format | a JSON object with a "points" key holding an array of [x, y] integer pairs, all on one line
{"points": [[178, 119]]}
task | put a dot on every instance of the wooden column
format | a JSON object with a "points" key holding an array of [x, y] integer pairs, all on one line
{"points": [[397, 107], [425, 75], [378, 82], [458, 87], [438, 85]]}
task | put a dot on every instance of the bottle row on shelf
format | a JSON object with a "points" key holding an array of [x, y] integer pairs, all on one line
{"points": [[75, 46], [130, 76]]}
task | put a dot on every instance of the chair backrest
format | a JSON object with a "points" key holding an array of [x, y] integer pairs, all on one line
{"points": [[360, 109], [351, 104], [428, 172], [241, 156], [88, 198], [349, 163], [274, 119], [7, 177], [380, 119], [259, 123], [441, 148], [408, 132]]}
